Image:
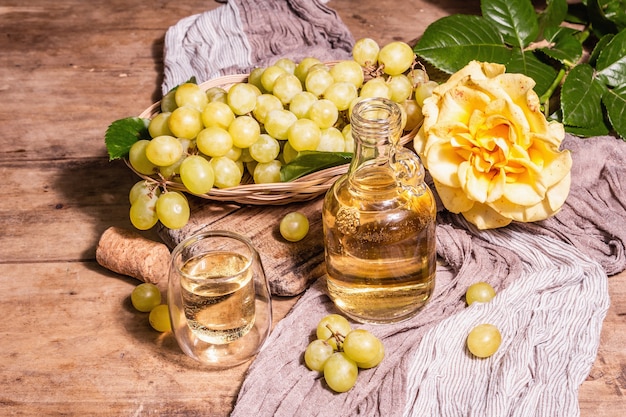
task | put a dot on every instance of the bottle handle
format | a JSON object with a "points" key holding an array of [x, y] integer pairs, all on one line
{"points": [[408, 168]]}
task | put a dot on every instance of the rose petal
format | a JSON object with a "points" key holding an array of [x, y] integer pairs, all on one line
{"points": [[484, 217], [453, 198]]}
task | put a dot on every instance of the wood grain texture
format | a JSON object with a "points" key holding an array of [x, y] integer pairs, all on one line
{"points": [[71, 342]]}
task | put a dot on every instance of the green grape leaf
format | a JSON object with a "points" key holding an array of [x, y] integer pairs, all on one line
{"points": [[528, 64], [615, 102], [515, 19], [564, 46], [581, 97], [553, 15], [311, 161], [122, 133], [611, 63], [451, 42]]}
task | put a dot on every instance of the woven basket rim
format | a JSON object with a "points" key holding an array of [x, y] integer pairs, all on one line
{"points": [[304, 188]]}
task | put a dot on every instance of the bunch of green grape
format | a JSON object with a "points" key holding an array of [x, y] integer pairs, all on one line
{"points": [[223, 137], [340, 351], [146, 297]]}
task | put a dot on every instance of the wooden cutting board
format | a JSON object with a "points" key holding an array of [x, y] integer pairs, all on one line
{"points": [[290, 266]]}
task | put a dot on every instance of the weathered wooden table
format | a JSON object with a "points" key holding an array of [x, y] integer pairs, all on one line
{"points": [[71, 343]]}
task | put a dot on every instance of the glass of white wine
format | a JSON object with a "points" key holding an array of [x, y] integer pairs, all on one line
{"points": [[219, 298]]}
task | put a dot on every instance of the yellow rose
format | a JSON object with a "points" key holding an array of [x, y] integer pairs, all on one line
{"points": [[492, 154]]}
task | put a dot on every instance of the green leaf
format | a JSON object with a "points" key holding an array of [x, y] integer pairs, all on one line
{"points": [[530, 65], [451, 42], [553, 15], [614, 11], [564, 46], [587, 132], [515, 19], [611, 62], [121, 134], [598, 20], [615, 102], [598, 48], [581, 98], [311, 161]]}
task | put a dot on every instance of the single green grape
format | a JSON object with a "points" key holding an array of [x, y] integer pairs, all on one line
{"points": [[216, 94], [301, 103], [376, 87], [145, 297], [286, 87], [159, 318], [190, 94], [318, 80], [484, 340], [423, 91], [365, 51], [217, 113], [331, 325], [158, 125], [164, 150], [142, 189], [316, 354], [414, 115], [241, 98], [304, 135], [265, 149], [361, 345], [348, 71], [324, 113], [278, 122], [396, 57], [185, 122], [142, 214], [331, 140], [138, 159], [380, 355], [172, 209], [287, 64], [480, 292], [340, 372], [197, 175], [227, 173], [214, 141], [168, 102], [294, 226], [341, 94], [244, 131], [267, 172], [400, 87]]}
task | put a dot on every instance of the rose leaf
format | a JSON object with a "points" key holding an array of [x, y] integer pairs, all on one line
{"points": [[581, 97], [451, 42], [553, 14], [599, 47], [515, 19], [611, 62], [531, 66], [564, 46], [615, 102]]}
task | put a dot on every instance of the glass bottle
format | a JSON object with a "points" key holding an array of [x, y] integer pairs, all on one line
{"points": [[379, 223]]}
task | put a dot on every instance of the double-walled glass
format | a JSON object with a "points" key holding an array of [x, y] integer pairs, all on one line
{"points": [[219, 298]]}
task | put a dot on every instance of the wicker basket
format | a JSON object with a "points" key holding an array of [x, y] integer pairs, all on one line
{"points": [[305, 188]]}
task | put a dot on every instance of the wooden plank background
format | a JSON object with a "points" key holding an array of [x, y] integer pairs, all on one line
{"points": [[71, 343]]}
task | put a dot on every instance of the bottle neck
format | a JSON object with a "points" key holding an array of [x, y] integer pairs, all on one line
{"points": [[376, 130]]}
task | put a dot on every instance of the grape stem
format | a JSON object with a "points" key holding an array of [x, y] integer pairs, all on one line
{"points": [[339, 338]]}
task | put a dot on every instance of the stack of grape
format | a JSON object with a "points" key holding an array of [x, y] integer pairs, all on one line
{"points": [[214, 138]]}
